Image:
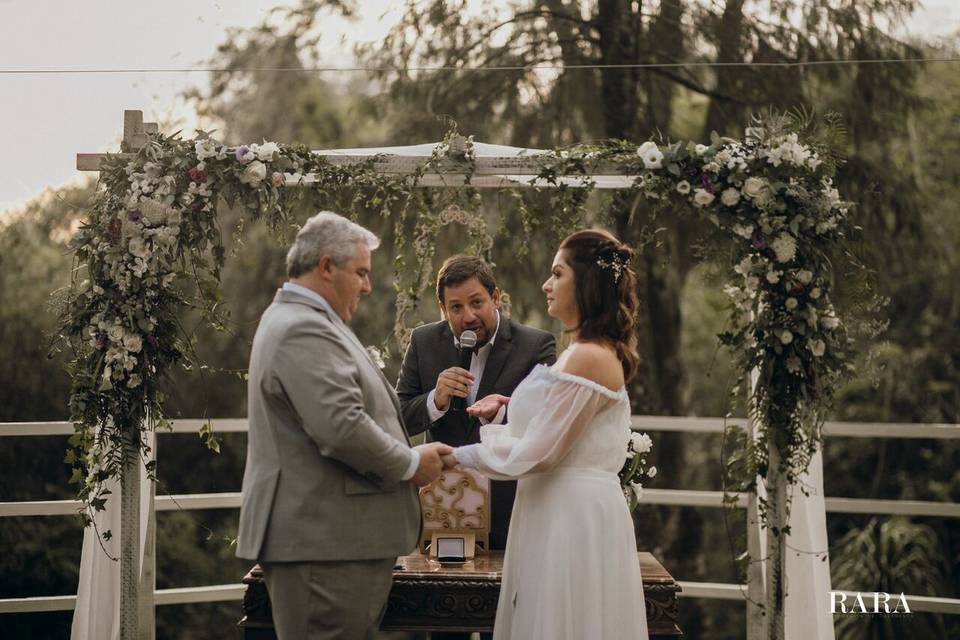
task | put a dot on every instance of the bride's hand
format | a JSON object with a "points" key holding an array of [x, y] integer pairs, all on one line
{"points": [[488, 407]]}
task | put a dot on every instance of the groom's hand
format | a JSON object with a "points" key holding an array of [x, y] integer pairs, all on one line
{"points": [[431, 462]]}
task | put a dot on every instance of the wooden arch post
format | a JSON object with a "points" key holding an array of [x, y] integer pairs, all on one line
{"points": [[137, 619]]}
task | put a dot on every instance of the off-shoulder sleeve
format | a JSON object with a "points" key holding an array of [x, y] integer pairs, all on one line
{"points": [[511, 451]]}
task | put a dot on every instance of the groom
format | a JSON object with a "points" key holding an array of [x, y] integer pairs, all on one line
{"points": [[329, 489]]}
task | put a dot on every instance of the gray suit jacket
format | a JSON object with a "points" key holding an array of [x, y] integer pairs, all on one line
{"points": [[516, 351], [326, 448]]}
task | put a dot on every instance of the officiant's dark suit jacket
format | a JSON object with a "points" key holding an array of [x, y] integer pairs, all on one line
{"points": [[516, 350]]}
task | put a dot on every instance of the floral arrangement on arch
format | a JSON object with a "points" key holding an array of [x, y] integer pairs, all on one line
{"points": [[772, 196], [152, 248]]}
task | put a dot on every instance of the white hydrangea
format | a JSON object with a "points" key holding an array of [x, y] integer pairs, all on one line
{"points": [[785, 247]]}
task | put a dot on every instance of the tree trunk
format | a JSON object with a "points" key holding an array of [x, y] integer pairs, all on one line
{"points": [[658, 387], [724, 114]]}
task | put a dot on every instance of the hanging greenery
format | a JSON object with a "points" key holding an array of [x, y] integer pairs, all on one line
{"points": [[152, 248]]}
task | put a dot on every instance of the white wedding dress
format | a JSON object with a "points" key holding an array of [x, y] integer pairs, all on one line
{"points": [[571, 569]]}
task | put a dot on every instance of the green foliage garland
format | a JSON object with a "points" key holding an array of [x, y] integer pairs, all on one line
{"points": [[152, 247]]}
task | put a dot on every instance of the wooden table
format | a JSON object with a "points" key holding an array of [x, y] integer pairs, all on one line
{"points": [[429, 597]]}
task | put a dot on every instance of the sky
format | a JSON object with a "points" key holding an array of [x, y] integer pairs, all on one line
{"points": [[45, 119]]}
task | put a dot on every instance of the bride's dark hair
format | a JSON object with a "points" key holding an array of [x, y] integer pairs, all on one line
{"points": [[606, 292]]}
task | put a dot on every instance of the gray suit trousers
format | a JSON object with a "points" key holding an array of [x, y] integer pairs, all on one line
{"points": [[327, 600]]}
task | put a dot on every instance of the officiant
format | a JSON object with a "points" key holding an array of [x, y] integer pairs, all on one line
{"points": [[434, 388]]}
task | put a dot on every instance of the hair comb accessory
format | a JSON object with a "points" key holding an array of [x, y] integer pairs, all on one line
{"points": [[614, 260]]}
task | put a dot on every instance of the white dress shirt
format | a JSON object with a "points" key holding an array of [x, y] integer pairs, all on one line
{"points": [[313, 295]]}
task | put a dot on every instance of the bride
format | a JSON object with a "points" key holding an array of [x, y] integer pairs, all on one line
{"points": [[570, 568]]}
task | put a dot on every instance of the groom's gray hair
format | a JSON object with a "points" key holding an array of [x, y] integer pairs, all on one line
{"points": [[326, 234]]}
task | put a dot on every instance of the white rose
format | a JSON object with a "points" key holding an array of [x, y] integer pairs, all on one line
{"points": [[132, 343], [785, 246], [791, 303], [702, 197], [255, 172], [205, 149], [730, 197], [115, 333], [651, 472], [683, 187], [773, 277], [754, 187], [651, 155], [804, 276], [700, 149], [267, 151], [818, 347], [786, 337], [641, 442]]}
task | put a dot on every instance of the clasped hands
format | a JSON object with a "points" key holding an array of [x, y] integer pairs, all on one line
{"points": [[434, 458]]}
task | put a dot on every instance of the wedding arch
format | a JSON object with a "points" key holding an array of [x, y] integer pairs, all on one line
{"points": [[152, 247]]}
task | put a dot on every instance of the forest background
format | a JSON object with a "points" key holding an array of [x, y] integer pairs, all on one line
{"points": [[902, 144]]}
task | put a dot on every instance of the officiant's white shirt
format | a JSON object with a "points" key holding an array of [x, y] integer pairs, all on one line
{"points": [[477, 364]]}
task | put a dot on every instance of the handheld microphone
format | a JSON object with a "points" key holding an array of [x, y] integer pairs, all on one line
{"points": [[468, 340]]}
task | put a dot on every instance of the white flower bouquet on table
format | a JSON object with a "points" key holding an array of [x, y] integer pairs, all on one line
{"points": [[635, 468]]}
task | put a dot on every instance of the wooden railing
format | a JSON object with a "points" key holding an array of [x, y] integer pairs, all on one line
{"points": [[676, 497]]}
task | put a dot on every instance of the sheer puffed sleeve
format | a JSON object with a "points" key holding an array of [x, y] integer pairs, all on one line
{"points": [[514, 450]]}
